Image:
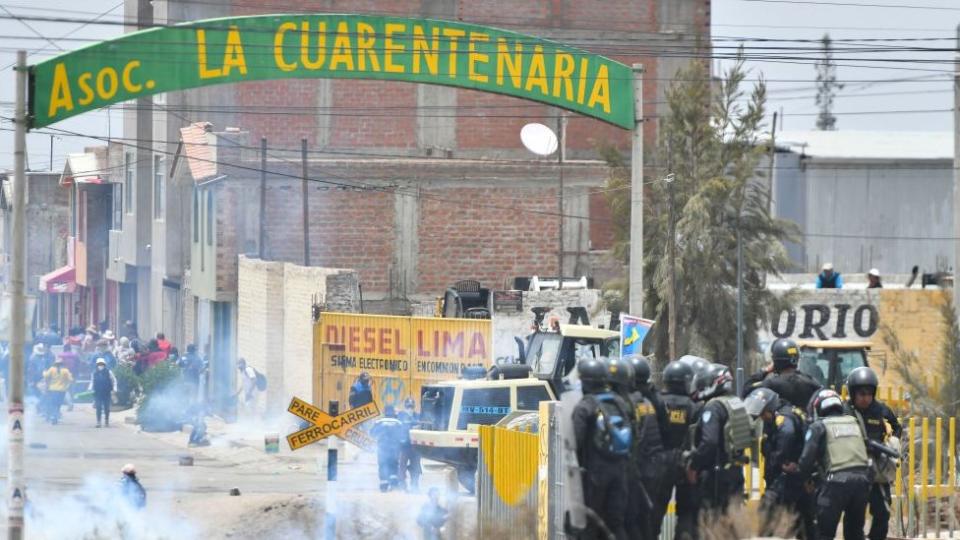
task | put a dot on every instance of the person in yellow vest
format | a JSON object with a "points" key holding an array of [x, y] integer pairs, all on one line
{"points": [[58, 379]]}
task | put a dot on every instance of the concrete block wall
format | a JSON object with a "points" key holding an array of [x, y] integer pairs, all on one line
{"points": [[507, 325], [275, 324], [913, 315], [260, 321]]}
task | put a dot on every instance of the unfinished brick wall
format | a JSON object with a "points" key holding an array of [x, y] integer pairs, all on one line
{"points": [[486, 241]]}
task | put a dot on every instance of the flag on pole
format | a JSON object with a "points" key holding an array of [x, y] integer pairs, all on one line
{"points": [[633, 330]]}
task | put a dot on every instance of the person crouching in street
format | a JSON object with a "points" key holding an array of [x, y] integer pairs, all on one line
{"points": [[130, 488], [103, 384], [389, 433], [432, 516], [58, 380]]}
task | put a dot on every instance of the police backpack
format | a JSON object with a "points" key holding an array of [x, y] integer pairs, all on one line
{"points": [[613, 434]]}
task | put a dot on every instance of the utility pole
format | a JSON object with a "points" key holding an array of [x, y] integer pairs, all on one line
{"points": [[772, 156], [263, 197], [15, 484], [672, 323], [636, 197], [561, 150], [51, 152], [739, 308], [956, 179], [306, 204]]}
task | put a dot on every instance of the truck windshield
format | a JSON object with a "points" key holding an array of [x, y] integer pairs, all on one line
{"points": [[849, 361], [544, 351], [435, 407]]}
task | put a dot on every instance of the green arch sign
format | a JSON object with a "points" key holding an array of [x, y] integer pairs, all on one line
{"points": [[237, 49]]}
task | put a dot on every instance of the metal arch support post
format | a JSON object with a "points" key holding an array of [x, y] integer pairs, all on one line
{"points": [[15, 484], [636, 197], [956, 180]]}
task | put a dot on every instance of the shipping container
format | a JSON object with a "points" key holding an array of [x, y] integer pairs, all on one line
{"points": [[401, 354]]}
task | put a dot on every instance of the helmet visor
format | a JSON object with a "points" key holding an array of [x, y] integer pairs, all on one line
{"points": [[756, 402]]}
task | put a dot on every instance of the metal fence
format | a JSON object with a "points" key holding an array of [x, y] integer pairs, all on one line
{"points": [[526, 481], [507, 482]]}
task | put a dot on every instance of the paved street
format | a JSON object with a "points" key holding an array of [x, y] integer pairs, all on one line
{"points": [[72, 468]]}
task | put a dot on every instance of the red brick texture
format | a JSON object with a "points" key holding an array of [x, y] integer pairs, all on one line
{"points": [[488, 234], [488, 240]]}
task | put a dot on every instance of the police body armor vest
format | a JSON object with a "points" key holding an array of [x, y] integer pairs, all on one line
{"points": [[845, 446], [738, 432]]}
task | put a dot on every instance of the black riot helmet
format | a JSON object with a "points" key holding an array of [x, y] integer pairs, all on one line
{"points": [[619, 374], [761, 400], [593, 375], [678, 378], [825, 402], [714, 381], [862, 377], [641, 371], [699, 366], [785, 354]]}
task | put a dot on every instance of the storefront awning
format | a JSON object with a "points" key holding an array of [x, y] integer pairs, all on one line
{"points": [[62, 280]]}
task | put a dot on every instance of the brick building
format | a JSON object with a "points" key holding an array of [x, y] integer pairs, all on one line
{"points": [[48, 236], [414, 186]]}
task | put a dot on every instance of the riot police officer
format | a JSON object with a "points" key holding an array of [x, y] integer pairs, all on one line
{"points": [[681, 414], [604, 437], [834, 448], [783, 430], [786, 381], [718, 454], [698, 366], [647, 469], [880, 423]]}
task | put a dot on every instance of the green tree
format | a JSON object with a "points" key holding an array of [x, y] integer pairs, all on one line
{"points": [[709, 141], [827, 85]]}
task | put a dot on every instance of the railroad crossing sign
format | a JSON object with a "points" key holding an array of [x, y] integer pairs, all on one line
{"points": [[322, 425]]}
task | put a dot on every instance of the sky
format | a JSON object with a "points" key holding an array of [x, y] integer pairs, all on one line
{"points": [[791, 87], [860, 105]]}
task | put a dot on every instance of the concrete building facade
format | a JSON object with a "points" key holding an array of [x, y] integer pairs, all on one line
{"points": [[867, 199], [413, 186]]}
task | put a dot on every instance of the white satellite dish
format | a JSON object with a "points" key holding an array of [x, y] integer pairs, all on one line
{"points": [[539, 139]]}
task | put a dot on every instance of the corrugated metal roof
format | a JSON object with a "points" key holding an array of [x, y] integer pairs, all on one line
{"points": [[85, 168], [200, 150], [869, 144]]}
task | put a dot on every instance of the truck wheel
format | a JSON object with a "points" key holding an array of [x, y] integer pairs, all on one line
{"points": [[468, 478]]}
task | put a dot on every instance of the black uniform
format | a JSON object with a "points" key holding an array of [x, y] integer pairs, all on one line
{"points": [[720, 476], [842, 491], [604, 475], [646, 468], [752, 382], [681, 413], [782, 445], [793, 386], [875, 419]]}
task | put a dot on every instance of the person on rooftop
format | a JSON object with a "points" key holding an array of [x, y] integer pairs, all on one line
{"points": [[828, 278]]}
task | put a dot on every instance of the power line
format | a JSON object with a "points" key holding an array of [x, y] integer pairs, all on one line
{"points": [[855, 4]]}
